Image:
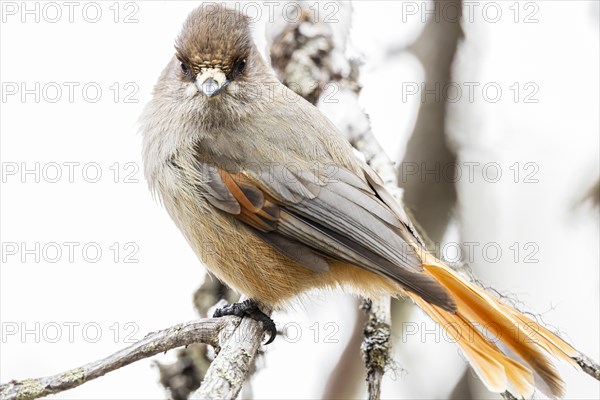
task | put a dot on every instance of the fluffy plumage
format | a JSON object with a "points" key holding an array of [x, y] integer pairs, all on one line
{"points": [[274, 202]]}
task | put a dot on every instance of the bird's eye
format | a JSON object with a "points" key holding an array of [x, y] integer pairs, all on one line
{"points": [[238, 68], [185, 69]]}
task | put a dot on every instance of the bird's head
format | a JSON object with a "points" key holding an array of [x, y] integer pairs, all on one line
{"points": [[216, 53], [216, 78]]}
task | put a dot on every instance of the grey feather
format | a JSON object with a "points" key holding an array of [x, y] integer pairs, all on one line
{"points": [[334, 211], [283, 183], [215, 191], [344, 249]]}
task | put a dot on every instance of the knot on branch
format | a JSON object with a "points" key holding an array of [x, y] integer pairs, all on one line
{"points": [[376, 344]]}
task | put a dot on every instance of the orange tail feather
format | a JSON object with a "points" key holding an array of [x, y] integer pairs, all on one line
{"points": [[523, 363]]}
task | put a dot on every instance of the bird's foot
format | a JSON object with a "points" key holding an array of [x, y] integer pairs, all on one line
{"points": [[249, 308]]}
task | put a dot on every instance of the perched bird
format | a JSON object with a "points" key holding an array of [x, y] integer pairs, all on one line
{"points": [[274, 202]]}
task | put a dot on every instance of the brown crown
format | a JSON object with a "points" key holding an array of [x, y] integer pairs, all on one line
{"points": [[213, 36]]}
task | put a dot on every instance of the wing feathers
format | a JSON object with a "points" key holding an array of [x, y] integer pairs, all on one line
{"points": [[215, 191], [339, 217]]}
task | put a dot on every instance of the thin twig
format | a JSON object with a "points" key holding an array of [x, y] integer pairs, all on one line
{"points": [[588, 366], [213, 331]]}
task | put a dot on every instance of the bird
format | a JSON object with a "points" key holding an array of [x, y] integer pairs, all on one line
{"points": [[275, 203]]}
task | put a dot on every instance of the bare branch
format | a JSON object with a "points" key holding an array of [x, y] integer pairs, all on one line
{"points": [[184, 376], [229, 370], [588, 366], [213, 331], [376, 345]]}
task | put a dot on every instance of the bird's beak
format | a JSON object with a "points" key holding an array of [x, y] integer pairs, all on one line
{"points": [[210, 81]]}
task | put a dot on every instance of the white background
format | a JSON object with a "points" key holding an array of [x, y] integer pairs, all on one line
{"points": [[112, 298]]}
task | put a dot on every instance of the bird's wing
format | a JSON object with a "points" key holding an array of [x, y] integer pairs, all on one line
{"points": [[377, 184], [311, 218]]}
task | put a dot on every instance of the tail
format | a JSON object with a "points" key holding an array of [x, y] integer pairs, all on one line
{"points": [[508, 350]]}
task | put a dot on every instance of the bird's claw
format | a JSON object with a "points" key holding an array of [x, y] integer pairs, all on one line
{"points": [[249, 308]]}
